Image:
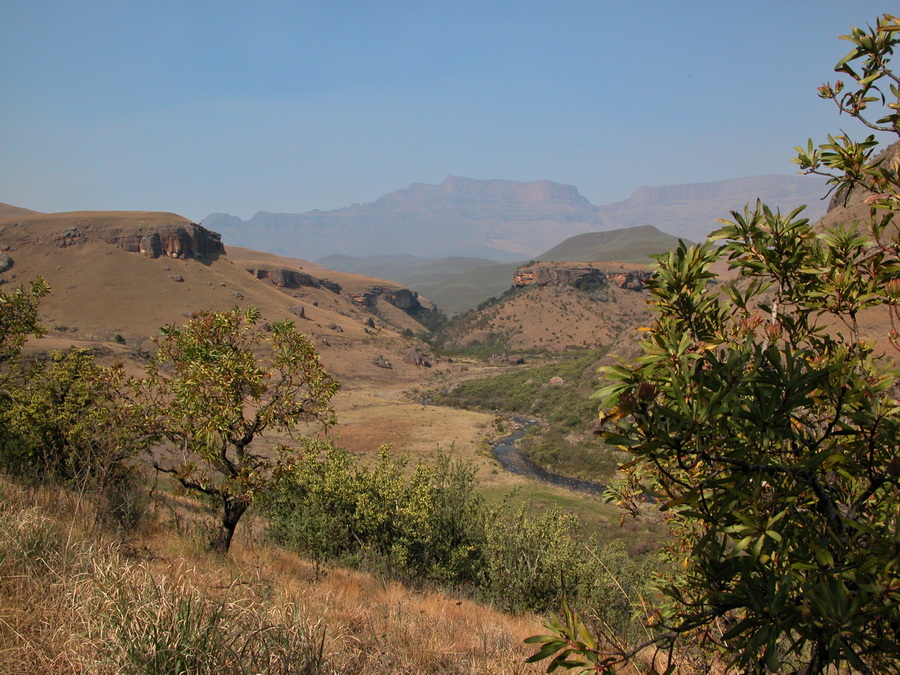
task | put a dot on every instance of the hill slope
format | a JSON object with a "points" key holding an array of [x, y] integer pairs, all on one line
{"points": [[117, 277], [631, 245]]}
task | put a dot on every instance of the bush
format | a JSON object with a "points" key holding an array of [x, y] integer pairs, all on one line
{"points": [[425, 525], [67, 423], [430, 524], [766, 426]]}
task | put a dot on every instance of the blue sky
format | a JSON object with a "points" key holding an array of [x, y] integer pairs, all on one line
{"points": [[212, 105]]}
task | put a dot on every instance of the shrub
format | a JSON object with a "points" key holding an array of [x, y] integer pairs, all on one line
{"points": [[768, 437], [427, 524]]}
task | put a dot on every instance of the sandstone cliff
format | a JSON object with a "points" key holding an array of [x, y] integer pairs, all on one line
{"points": [[581, 275]]}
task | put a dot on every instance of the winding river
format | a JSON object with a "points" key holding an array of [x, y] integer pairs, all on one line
{"points": [[515, 461]]}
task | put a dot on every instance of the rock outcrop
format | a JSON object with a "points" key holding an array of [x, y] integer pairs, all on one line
{"points": [[631, 281], [401, 298], [284, 278], [414, 357], [561, 274], [174, 240]]}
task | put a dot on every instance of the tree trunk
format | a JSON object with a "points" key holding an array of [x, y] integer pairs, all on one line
{"points": [[234, 509]]}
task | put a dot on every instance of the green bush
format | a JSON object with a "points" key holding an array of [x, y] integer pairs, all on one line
{"points": [[426, 524], [765, 425], [67, 423], [431, 524]]}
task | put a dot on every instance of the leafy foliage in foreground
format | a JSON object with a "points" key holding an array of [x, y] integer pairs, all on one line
{"points": [[66, 422], [767, 428]]}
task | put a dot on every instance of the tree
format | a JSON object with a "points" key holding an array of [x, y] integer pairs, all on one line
{"points": [[19, 319], [765, 428], [215, 386]]}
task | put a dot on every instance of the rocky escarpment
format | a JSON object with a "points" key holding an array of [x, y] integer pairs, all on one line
{"points": [[173, 240], [555, 274], [401, 298], [285, 278]]}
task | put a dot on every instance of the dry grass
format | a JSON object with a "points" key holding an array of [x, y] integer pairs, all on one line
{"points": [[75, 600]]}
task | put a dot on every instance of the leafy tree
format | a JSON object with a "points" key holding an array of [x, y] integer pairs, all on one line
{"points": [[765, 427], [19, 319], [217, 384]]}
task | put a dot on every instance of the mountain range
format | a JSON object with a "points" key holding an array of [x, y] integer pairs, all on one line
{"points": [[504, 220]]}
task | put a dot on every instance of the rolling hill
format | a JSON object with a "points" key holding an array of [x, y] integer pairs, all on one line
{"points": [[468, 289], [117, 277]]}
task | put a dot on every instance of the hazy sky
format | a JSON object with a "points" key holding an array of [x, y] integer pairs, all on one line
{"points": [[212, 105]]}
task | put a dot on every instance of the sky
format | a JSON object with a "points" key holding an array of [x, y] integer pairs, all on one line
{"points": [[205, 106]]}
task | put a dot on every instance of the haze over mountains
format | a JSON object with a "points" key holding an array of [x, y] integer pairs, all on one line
{"points": [[504, 220]]}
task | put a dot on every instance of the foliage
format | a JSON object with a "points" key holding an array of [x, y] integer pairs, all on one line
{"points": [[431, 524], [529, 390], [766, 428], [67, 422], [209, 393], [18, 318], [582, 456], [427, 525]]}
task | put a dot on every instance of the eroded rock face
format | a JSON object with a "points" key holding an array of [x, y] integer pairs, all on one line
{"points": [[175, 240], [293, 279], [401, 298], [558, 275], [632, 281], [551, 274]]}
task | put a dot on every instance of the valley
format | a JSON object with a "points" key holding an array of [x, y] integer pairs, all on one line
{"points": [[420, 388]]}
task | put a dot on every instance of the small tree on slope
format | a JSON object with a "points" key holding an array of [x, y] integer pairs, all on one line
{"points": [[767, 430], [215, 386]]}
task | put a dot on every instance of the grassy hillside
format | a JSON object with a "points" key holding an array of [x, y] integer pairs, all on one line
{"points": [[630, 245], [464, 291], [78, 596], [633, 244]]}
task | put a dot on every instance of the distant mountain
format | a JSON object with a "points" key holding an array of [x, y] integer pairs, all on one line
{"points": [[497, 219], [502, 220], [690, 211]]}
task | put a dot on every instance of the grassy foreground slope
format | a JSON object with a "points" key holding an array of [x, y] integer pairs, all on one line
{"points": [[75, 597]]}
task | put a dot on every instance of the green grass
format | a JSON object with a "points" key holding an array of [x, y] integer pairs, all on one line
{"points": [[630, 244], [598, 519], [563, 443]]}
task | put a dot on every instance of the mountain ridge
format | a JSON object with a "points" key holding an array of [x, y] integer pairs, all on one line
{"points": [[502, 219]]}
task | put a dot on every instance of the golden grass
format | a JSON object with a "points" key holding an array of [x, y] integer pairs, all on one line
{"points": [[76, 600]]}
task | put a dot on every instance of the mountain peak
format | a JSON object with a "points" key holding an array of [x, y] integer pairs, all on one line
{"points": [[509, 190]]}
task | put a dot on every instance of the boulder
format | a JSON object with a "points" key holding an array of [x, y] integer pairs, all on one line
{"points": [[416, 357]]}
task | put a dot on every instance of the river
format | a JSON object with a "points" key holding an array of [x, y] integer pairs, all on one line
{"points": [[515, 461]]}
